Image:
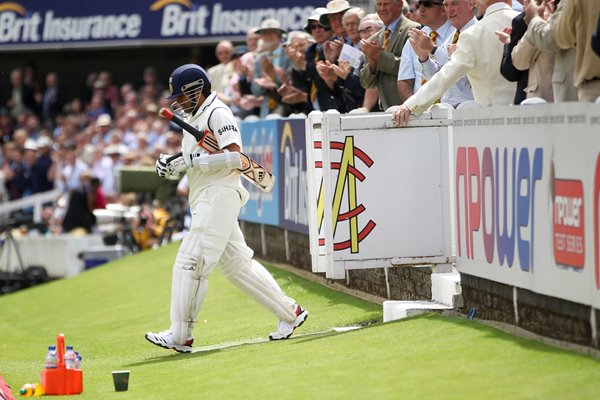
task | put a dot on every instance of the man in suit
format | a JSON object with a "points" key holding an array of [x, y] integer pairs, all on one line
{"points": [[18, 97], [383, 51], [574, 27], [596, 39], [539, 34], [478, 54], [507, 68]]}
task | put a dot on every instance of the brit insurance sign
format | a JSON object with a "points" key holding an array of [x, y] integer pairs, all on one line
{"points": [[39, 24]]}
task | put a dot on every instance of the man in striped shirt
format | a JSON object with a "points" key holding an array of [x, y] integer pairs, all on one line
{"points": [[460, 14]]}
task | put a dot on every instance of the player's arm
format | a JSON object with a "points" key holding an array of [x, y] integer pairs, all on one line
{"points": [[173, 165]]}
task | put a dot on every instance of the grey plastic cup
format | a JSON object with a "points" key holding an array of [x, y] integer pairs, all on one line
{"points": [[121, 380]]}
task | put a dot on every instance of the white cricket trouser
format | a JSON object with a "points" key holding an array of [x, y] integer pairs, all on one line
{"points": [[215, 239]]}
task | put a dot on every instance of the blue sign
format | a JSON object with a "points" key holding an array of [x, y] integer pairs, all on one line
{"points": [[293, 187], [260, 139], [42, 24]]}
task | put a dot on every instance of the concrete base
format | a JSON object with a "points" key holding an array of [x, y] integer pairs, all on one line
{"points": [[445, 289], [394, 310]]}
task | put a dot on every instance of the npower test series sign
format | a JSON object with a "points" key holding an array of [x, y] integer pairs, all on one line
{"points": [[527, 190], [39, 24]]}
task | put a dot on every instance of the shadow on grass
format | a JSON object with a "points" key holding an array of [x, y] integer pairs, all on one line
{"points": [[493, 333], [205, 351]]}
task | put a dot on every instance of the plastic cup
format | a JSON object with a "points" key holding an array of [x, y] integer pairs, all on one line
{"points": [[121, 380]]}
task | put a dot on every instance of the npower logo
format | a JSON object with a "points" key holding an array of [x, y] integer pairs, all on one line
{"points": [[511, 176], [348, 174]]}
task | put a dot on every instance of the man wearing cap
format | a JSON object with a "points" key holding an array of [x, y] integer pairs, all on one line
{"points": [[383, 51], [332, 18], [103, 127], [318, 93], [269, 67], [478, 54], [295, 93]]}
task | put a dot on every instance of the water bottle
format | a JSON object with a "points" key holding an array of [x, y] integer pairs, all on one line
{"points": [[51, 357], [77, 361], [70, 358]]}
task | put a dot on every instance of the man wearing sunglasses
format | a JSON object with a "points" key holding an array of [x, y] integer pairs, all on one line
{"points": [[435, 30], [318, 93], [383, 51], [461, 16], [478, 54]]}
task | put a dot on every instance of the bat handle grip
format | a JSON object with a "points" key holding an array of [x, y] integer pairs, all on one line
{"points": [[165, 112]]}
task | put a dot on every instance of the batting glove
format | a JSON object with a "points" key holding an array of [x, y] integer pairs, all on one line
{"points": [[170, 165], [173, 165]]}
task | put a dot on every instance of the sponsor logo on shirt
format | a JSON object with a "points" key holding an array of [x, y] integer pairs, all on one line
{"points": [[226, 128]]}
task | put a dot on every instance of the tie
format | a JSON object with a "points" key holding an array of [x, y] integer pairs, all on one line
{"points": [[386, 38], [313, 86], [433, 35], [455, 37], [271, 102]]}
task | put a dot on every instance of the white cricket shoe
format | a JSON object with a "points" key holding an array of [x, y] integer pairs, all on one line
{"points": [[285, 329], [165, 340]]}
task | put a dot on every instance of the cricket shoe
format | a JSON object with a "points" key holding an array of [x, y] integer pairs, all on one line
{"points": [[165, 340], [285, 329]]}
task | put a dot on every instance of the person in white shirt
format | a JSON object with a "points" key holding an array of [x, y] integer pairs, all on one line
{"points": [[478, 54], [215, 197]]}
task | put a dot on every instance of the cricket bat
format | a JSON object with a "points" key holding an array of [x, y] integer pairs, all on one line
{"points": [[255, 173]]}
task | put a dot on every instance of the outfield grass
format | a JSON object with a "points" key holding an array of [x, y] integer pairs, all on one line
{"points": [[105, 312]]}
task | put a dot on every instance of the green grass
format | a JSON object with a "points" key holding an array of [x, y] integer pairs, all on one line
{"points": [[105, 312]]}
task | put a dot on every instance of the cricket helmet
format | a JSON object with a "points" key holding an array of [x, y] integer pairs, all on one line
{"points": [[190, 80]]}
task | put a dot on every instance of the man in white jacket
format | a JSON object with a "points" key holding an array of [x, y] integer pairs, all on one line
{"points": [[215, 238]]}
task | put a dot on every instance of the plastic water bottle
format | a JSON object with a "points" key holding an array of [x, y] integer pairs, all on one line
{"points": [[51, 357], [77, 361], [70, 358]]}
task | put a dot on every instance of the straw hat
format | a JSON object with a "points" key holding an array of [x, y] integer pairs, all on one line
{"points": [[103, 120], [270, 24], [333, 7]]}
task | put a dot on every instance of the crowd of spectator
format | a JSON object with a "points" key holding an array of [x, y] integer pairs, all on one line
{"points": [[403, 57]]}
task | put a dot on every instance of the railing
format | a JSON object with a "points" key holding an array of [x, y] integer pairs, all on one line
{"points": [[36, 201]]}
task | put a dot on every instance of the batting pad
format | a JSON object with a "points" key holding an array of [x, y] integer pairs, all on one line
{"points": [[257, 282], [188, 288]]}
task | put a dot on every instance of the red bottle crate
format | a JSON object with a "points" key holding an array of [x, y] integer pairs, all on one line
{"points": [[60, 380]]}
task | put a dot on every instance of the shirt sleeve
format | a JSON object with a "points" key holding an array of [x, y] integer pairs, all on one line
{"points": [[524, 55], [223, 125], [462, 61], [564, 26], [406, 70], [433, 64]]}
